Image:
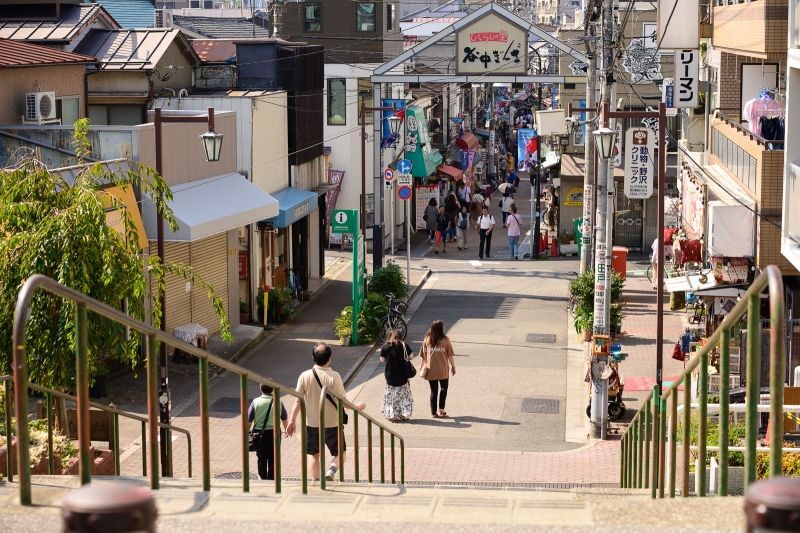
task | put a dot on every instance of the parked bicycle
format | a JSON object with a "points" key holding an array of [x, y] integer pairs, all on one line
{"points": [[296, 285], [394, 319]]}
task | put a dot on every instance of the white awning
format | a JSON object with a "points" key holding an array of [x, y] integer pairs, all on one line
{"points": [[211, 206], [688, 283]]}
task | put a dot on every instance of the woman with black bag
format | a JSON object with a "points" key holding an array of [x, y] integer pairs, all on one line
{"points": [[398, 402]]}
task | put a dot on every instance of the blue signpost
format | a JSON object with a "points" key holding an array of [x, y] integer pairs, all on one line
{"points": [[346, 221]]}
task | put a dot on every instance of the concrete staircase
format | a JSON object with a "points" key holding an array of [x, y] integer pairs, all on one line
{"points": [[182, 506]]}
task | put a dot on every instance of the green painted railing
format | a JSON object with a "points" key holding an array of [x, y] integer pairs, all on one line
{"points": [[49, 394], [341, 405], [645, 441], [84, 304]]}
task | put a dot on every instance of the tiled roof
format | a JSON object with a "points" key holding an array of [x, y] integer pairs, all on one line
{"points": [[130, 49], [132, 13], [220, 27], [19, 54], [214, 50], [74, 19]]}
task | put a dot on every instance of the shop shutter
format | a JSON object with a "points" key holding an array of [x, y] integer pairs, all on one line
{"points": [[179, 304], [210, 261]]}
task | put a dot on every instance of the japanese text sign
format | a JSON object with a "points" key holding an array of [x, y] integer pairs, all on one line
{"points": [[639, 157], [687, 78], [491, 44]]}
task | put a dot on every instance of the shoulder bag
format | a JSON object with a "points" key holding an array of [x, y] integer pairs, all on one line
{"points": [[345, 418], [254, 437], [409, 366], [423, 367]]}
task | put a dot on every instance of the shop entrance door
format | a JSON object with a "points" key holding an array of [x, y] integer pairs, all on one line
{"points": [[300, 250], [628, 220]]}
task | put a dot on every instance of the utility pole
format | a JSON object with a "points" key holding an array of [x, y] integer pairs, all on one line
{"points": [[605, 186], [588, 169]]}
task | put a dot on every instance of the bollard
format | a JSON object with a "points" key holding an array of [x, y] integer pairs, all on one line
{"points": [[108, 507], [773, 505]]}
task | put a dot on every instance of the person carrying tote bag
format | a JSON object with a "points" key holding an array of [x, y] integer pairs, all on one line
{"points": [[398, 402], [437, 365]]}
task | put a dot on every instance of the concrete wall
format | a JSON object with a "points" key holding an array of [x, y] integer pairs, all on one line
{"points": [[65, 80], [757, 28]]}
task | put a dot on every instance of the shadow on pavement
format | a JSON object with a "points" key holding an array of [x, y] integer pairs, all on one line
{"points": [[459, 421]]}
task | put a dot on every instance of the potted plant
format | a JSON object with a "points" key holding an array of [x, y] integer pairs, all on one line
{"points": [[280, 304], [581, 294]]}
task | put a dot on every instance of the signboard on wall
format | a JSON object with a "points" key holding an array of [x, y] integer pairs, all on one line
{"points": [[492, 44], [424, 195], [687, 78]]}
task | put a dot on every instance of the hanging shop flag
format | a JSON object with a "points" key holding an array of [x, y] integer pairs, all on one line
{"points": [[527, 147], [640, 154], [687, 78]]}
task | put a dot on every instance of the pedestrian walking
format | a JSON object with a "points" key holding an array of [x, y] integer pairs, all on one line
{"points": [[452, 209], [262, 419], [431, 212], [461, 229], [485, 224], [514, 231], [437, 365], [505, 205], [443, 223], [398, 402], [310, 384]]}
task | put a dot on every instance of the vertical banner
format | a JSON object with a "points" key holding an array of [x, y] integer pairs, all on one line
{"points": [[687, 78], [527, 146], [600, 281], [618, 143], [639, 169], [579, 136]]}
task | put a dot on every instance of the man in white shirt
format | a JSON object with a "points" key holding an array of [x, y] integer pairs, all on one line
{"points": [[485, 223]]}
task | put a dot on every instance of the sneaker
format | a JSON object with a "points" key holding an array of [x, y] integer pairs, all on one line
{"points": [[330, 475]]}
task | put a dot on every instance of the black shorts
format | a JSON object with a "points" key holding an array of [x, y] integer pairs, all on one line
{"points": [[331, 441]]}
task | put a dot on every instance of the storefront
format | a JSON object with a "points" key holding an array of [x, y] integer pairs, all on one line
{"points": [[212, 215], [289, 243]]}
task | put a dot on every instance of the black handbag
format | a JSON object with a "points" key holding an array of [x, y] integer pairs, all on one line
{"points": [[254, 437], [345, 418], [410, 370]]}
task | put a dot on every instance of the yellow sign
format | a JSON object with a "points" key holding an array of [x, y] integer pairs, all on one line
{"points": [[574, 197], [492, 45], [124, 196]]}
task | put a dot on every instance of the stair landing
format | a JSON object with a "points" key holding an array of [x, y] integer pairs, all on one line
{"points": [[361, 507]]}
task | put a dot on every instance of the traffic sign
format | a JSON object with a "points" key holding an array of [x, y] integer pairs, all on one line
{"points": [[404, 166], [344, 221], [387, 185], [405, 179], [404, 192], [388, 174]]}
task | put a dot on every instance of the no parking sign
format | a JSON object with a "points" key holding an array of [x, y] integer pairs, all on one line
{"points": [[404, 192]]}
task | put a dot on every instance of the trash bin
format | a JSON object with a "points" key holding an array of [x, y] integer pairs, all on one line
{"points": [[619, 260], [577, 224]]}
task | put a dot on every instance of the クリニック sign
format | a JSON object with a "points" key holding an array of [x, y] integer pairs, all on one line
{"points": [[639, 156]]}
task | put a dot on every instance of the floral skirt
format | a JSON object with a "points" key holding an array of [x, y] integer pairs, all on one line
{"points": [[398, 402]]}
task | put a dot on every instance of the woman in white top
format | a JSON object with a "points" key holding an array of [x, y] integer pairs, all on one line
{"points": [[514, 231], [505, 203]]}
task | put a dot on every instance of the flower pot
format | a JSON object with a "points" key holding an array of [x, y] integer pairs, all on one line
{"points": [[587, 335]]}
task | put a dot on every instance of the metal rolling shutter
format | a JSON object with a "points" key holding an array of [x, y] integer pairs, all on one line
{"points": [[179, 305], [210, 261]]}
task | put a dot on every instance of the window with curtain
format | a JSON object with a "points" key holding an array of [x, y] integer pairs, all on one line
{"points": [[313, 17], [337, 101], [365, 16]]}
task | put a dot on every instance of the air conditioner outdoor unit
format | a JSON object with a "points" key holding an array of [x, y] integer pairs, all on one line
{"points": [[40, 107]]}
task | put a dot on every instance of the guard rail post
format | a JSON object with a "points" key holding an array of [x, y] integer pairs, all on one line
{"points": [[724, 408], [753, 386]]}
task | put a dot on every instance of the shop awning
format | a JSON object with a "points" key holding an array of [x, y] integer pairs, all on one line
{"points": [[468, 141], [482, 133], [688, 282], [294, 204], [211, 206], [453, 172]]}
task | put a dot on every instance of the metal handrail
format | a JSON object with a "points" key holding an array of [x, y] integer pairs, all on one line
{"points": [[744, 130], [83, 305], [642, 432], [341, 404], [115, 429]]}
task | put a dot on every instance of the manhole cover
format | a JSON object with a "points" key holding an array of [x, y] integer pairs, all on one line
{"points": [[234, 475], [540, 406], [226, 404], [542, 338]]}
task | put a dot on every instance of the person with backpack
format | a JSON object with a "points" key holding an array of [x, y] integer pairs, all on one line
{"points": [[485, 224], [461, 228], [443, 224], [514, 231], [262, 419]]}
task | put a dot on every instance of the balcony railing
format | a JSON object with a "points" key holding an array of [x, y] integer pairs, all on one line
{"points": [[649, 444]]}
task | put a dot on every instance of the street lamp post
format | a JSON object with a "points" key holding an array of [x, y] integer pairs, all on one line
{"points": [[212, 146], [377, 231]]}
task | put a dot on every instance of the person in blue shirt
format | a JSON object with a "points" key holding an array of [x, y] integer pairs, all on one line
{"points": [[261, 415]]}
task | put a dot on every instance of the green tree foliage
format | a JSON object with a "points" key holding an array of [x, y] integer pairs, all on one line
{"points": [[388, 279], [51, 227]]}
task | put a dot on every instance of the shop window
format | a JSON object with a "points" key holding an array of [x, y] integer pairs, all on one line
{"points": [[312, 21], [365, 16], [337, 101]]}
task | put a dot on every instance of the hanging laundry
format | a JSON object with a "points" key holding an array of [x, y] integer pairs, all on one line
{"points": [[762, 106]]}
